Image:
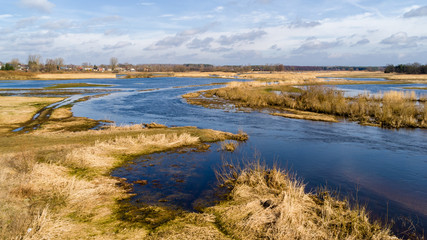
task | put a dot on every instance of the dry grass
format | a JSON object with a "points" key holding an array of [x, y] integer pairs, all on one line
{"points": [[16, 75], [391, 109], [296, 114], [15, 111], [65, 187], [271, 204], [229, 146], [57, 185], [56, 76]]}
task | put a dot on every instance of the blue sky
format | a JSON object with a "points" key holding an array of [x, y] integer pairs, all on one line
{"points": [[291, 32]]}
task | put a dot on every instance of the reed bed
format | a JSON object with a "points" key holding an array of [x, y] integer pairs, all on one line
{"points": [[393, 109], [272, 204]]}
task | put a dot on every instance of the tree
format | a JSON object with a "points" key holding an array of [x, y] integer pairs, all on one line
{"points": [[7, 67], [34, 62], [113, 63], [59, 62], [15, 63], [389, 68]]}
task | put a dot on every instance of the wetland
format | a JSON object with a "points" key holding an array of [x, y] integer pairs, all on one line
{"points": [[380, 168]]}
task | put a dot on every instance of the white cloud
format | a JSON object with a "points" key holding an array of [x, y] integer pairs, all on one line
{"points": [[2, 16], [219, 9], [118, 45], [146, 3], [417, 12], [401, 39], [40, 5]]}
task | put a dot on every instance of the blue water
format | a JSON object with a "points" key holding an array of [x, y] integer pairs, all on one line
{"points": [[374, 89], [385, 169]]}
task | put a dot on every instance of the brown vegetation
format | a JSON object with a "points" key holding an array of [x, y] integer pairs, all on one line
{"points": [[15, 111], [393, 109], [16, 75], [229, 146], [271, 204]]}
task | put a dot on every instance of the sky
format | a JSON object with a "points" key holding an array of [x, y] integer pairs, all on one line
{"points": [[219, 32]]}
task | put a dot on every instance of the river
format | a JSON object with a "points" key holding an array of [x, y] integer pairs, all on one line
{"points": [[383, 168]]}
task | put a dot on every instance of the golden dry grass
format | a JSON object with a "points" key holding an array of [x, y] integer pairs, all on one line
{"points": [[16, 75], [296, 114], [15, 111], [392, 109], [67, 183], [271, 204], [56, 185], [59, 76], [229, 146]]}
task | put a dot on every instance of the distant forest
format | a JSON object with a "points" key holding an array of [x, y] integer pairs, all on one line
{"points": [[414, 68]]}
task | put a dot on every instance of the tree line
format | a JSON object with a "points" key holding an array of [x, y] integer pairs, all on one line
{"points": [[414, 68], [35, 64]]}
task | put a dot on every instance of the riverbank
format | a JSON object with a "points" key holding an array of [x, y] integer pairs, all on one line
{"points": [[56, 183]]}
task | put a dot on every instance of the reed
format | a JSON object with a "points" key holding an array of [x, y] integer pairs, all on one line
{"points": [[268, 203], [391, 109]]}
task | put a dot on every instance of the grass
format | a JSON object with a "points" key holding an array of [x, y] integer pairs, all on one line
{"points": [[16, 75], [229, 146], [15, 111], [75, 85], [55, 183], [67, 174], [272, 204], [391, 110]]}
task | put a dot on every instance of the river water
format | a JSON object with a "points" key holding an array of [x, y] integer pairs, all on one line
{"points": [[382, 168]]}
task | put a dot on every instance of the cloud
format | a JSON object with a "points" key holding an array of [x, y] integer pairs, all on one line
{"points": [[401, 39], [197, 43], [243, 54], [418, 12], [114, 18], [40, 5], [217, 50], [114, 32], [23, 23], [219, 9], [313, 44], [2, 16], [361, 42], [60, 24], [303, 24], [179, 38], [275, 47], [146, 3], [118, 45], [242, 37]]}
